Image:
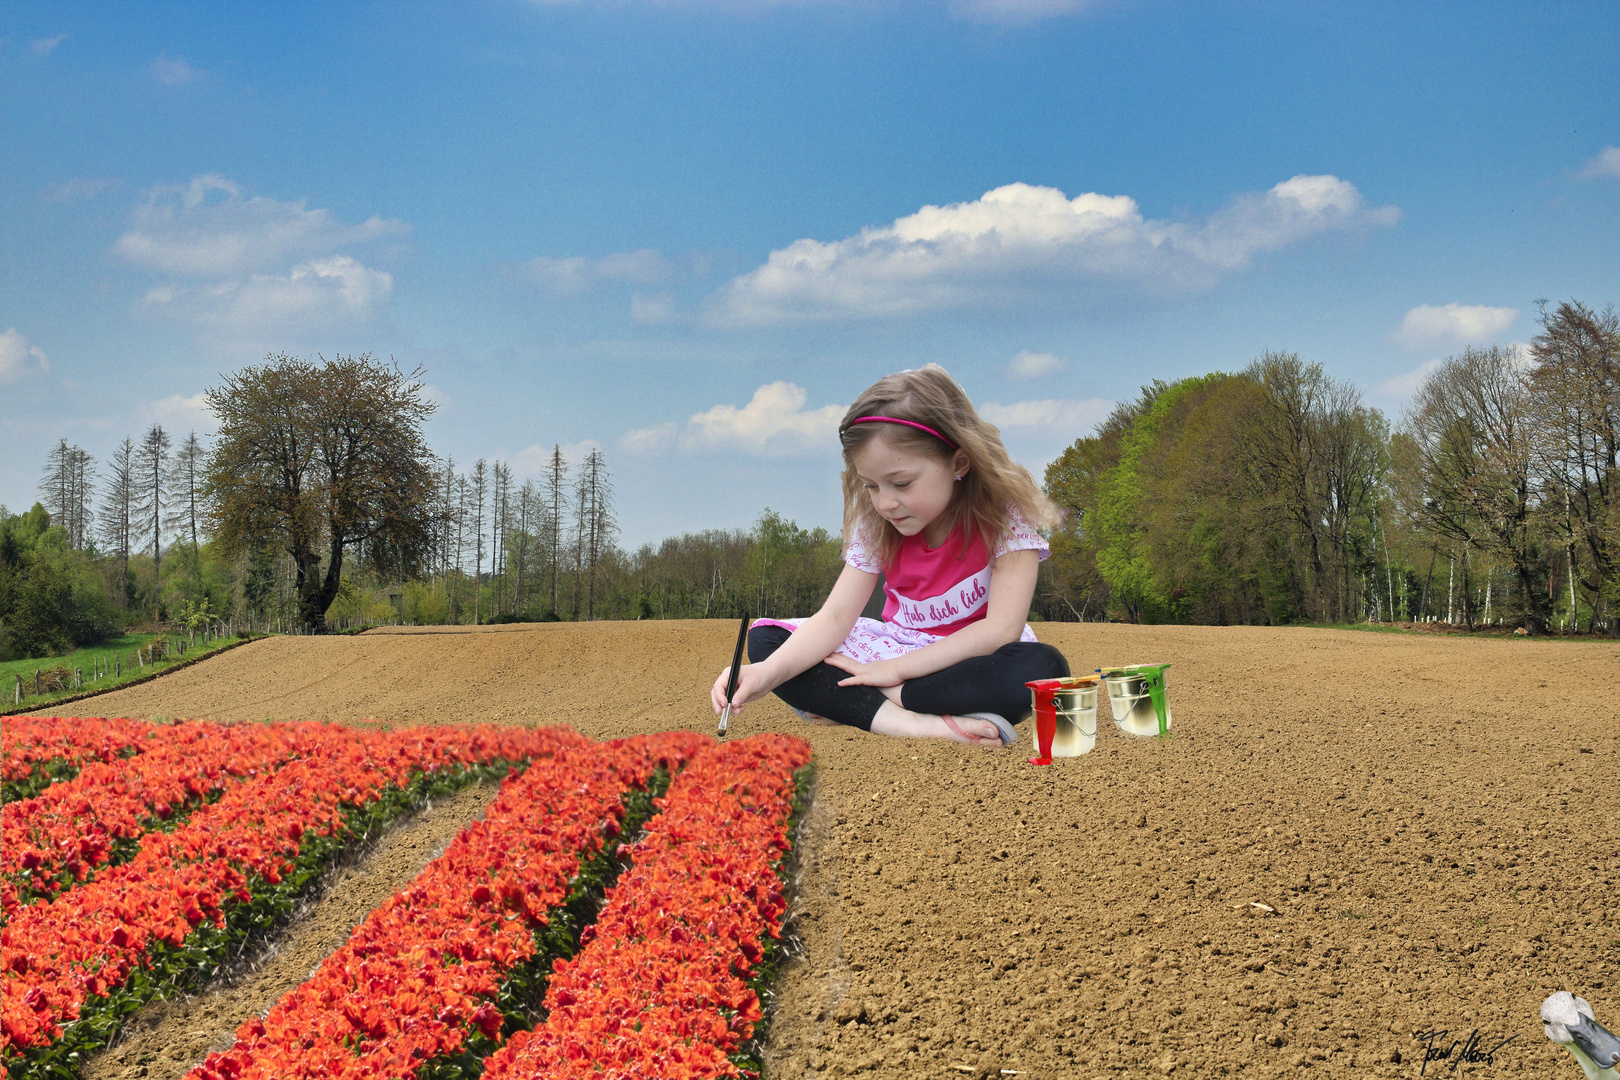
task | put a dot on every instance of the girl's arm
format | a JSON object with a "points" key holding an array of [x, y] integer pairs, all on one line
{"points": [[807, 646], [1012, 587]]}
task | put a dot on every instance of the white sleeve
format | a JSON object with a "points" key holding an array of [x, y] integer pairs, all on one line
{"points": [[857, 555], [1021, 536]]}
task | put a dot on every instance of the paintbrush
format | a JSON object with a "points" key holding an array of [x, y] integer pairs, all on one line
{"points": [[736, 672]]}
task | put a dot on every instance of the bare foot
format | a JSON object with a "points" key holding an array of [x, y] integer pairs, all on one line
{"points": [[891, 719]]}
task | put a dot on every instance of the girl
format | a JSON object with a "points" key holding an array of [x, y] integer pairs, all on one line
{"points": [[932, 501]]}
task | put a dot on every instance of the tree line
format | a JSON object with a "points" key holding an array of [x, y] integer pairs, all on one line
{"points": [[1275, 495], [1271, 495]]}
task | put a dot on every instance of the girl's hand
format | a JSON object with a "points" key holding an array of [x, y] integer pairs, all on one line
{"points": [[752, 684], [882, 673]]}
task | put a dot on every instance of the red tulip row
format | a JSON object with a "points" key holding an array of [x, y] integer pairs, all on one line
{"points": [[421, 980], [663, 984], [35, 750], [58, 838], [75, 966]]}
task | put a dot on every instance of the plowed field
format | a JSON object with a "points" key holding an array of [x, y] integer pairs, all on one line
{"points": [[1432, 825]]}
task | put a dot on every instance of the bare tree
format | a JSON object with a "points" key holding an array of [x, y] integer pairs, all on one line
{"points": [[554, 485], [595, 524], [152, 460], [118, 508], [65, 489], [480, 491], [184, 490], [499, 509]]}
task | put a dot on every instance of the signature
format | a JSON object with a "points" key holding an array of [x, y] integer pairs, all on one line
{"points": [[1456, 1051]]}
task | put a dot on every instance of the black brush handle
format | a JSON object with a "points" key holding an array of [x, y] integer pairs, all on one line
{"points": [[736, 660]]}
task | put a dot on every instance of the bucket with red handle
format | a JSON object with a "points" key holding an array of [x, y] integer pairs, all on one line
{"points": [[1065, 716]]}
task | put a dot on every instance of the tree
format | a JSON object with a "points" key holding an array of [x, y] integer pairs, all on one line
{"points": [[554, 488], [152, 459], [65, 488], [1576, 402], [1474, 430], [595, 526], [317, 456], [480, 488], [184, 485]]}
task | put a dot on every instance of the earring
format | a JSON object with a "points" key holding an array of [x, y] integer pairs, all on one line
{"points": [[959, 476]]}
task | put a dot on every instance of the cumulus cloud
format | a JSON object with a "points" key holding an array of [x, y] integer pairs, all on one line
{"points": [[82, 187], [174, 71], [207, 228], [653, 308], [1606, 164], [315, 294], [181, 412], [19, 359], [1021, 244], [576, 274], [1426, 326], [1035, 365], [1402, 387], [1060, 416], [46, 46], [774, 423]]}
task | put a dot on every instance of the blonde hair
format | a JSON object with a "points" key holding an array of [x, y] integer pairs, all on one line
{"points": [[992, 487]]}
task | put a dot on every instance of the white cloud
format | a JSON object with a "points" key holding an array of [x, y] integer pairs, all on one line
{"points": [[1606, 164], [46, 46], [1060, 416], [1426, 326], [208, 229], [576, 274], [774, 423], [174, 71], [1017, 11], [1401, 387], [1020, 245], [82, 187], [533, 460], [315, 294], [19, 359], [181, 412], [652, 309], [1035, 365]]}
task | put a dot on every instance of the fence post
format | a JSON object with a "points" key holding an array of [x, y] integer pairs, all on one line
{"points": [[36, 682]]}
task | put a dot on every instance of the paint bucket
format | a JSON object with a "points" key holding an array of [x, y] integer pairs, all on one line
{"points": [[1065, 717], [1137, 698]]}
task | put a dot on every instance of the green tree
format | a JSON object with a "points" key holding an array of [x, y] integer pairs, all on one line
{"points": [[317, 457]]}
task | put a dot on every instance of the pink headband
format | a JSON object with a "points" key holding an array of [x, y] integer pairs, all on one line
{"points": [[908, 423]]}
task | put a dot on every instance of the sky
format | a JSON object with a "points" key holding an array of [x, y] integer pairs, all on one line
{"points": [[690, 232]]}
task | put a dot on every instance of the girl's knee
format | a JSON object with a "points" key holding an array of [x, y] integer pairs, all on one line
{"points": [[764, 640], [1047, 662]]}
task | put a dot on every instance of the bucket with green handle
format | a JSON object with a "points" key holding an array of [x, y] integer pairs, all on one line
{"points": [[1137, 697]]}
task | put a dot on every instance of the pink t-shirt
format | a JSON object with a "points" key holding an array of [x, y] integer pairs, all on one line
{"points": [[935, 591]]}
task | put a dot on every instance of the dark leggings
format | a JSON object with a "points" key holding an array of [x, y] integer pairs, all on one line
{"points": [[993, 683]]}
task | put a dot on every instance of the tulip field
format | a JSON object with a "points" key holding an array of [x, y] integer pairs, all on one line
{"points": [[615, 912]]}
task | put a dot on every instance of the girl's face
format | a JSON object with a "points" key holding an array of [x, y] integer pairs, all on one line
{"points": [[912, 491]]}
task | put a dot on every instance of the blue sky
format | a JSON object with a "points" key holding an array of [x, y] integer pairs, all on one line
{"points": [[690, 232]]}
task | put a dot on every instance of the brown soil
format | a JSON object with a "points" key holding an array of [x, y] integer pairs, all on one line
{"points": [[1432, 821]]}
